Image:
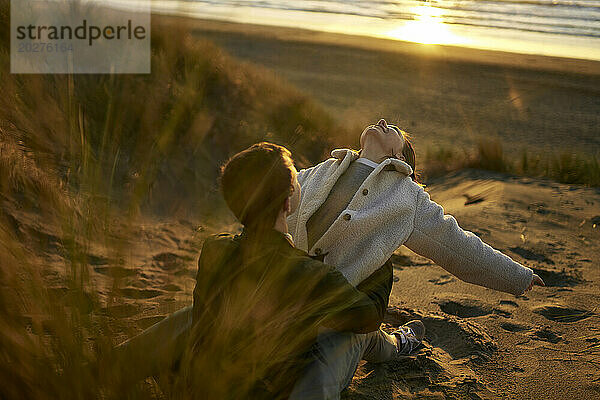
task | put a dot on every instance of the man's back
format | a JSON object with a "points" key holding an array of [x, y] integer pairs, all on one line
{"points": [[258, 303]]}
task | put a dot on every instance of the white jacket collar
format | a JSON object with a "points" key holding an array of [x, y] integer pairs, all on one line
{"points": [[394, 163]]}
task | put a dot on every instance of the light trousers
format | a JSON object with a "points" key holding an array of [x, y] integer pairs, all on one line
{"points": [[338, 358]]}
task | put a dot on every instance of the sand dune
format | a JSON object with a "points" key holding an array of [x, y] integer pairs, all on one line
{"points": [[479, 343]]}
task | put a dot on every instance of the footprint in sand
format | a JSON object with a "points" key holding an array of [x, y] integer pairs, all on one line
{"points": [[512, 327], [442, 280], [464, 308], [96, 260], [559, 278], [508, 303], [478, 198], [171, 287], [167, 261], [546, 335], [530, 255], [459, 338], [505, 308], [134, 293], [562, 313], [399, 261]]}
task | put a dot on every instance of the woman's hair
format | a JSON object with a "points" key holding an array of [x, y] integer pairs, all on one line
{"points": [[256, 182], [408, 152]]}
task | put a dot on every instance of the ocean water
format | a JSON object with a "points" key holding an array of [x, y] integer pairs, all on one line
{"points": [[565, 28]]}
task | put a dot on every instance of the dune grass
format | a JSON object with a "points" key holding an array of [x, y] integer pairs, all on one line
{"points": [[133, 136], [564, 167], [77, 152]]}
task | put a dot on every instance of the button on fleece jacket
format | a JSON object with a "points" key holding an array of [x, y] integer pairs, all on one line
{"points": [[396, 211]]}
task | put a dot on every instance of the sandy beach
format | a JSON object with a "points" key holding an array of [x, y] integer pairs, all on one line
{"points": [[480, 344], [442, 95], [129, 273]]}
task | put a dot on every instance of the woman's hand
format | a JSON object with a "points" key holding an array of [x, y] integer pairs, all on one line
{"points": [[535, 280]]}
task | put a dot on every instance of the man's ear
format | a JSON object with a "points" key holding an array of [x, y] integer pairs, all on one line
{"points": [[287, 205]]}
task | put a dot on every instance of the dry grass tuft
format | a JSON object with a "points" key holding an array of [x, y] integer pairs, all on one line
{"points": [[78, 152], [564, 167]]}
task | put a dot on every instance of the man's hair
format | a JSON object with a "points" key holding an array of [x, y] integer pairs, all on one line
{"points": [[255, 183]]}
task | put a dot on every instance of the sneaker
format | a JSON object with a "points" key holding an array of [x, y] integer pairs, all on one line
{"points": [[409, 337]]}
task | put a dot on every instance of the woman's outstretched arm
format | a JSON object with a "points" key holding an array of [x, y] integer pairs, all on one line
{"points": [[462, 253]]}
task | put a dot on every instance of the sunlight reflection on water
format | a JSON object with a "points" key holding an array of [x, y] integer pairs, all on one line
{"points": [[567, 30], [428, 27]]}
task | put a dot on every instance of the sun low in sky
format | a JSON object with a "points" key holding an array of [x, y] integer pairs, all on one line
{"points": [[427, 27]]}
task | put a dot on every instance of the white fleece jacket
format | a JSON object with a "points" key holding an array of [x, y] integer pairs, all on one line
{"points": [[390, 210]]}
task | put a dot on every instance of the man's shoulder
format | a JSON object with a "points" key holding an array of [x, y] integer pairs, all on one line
{"points": [[220, 243], [226, 243]]}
